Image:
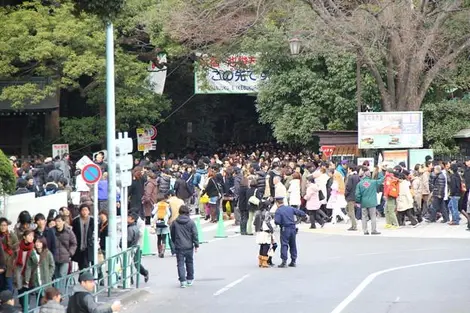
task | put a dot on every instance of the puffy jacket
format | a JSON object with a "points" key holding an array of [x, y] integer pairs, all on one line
{"points": [[66, 245], [351, 183], [184, 233], [164, 184], [437, 185], [312, 197]]}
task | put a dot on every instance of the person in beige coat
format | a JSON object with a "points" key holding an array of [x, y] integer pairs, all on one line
{"points": [[405, 201]]}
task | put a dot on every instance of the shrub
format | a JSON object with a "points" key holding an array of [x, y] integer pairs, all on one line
{"points": [[7, 178]]}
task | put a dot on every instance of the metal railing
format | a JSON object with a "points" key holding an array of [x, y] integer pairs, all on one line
{"points": [[114, 272]]}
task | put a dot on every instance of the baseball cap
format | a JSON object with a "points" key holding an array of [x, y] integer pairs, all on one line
{"points": [[86, 276], [5, 296]]}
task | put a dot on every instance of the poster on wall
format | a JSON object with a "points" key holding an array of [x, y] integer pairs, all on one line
{"points": [[418, 156], [59, 150], [394, 157], [144, 139], [390, 130], [234, 75]]}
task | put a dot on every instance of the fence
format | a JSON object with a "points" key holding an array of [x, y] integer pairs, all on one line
{"points": [[112, 273]]}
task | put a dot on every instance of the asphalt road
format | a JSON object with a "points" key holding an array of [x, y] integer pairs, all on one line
{"points": [[335, 274]]}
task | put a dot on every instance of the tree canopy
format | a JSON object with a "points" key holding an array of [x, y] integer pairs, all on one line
{"points": [[7, 178], [68, 47]]}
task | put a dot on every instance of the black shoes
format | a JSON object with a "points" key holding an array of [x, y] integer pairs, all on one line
{"points": [[282, 265], [292, 264], [146, 278]]}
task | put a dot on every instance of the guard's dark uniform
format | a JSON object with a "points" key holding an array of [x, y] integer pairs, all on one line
{"points": [[285, 218]]}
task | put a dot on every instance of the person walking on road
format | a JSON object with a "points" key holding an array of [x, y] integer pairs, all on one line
{"points": [[82, 301], [366, 196], [186, 241], [285, 218]]}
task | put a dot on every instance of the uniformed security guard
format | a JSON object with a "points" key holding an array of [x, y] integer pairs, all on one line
{"points": [[285, 218]]}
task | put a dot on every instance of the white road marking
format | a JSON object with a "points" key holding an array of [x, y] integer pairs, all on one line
{"points": [[217, 239], [397, 299], [399, 251], [369, 279], [231, 285]]}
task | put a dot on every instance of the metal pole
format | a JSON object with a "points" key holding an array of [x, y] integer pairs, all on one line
{"points": [[95, 234], [111, 140]]}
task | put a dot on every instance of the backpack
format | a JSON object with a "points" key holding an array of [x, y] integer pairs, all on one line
{"points": [[161, 214], [202, 181], [50, 191], [394, 189], [189, 185]]}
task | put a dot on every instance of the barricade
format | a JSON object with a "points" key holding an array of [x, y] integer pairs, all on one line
{"points": [[113, 272]]}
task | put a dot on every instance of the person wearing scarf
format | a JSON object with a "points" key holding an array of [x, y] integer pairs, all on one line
{"points": [[24, 253], [9, 243], [40, 266]]}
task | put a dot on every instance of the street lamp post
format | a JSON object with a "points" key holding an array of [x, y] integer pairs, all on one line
{"points": [[294, 45]]}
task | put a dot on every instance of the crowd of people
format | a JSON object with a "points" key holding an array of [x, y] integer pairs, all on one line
{"points": [[246, 184]]}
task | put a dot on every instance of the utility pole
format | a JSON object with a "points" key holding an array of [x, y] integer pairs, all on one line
{"points": [[111, 142]]}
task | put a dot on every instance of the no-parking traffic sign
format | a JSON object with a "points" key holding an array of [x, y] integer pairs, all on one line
{"points": [[91, 173]]}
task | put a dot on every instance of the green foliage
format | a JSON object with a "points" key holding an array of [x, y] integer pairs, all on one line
{"points": [[68, 47], [306, 93], [7, 178], [442, 120], [83, 131], [105, 9], [38, 40]]}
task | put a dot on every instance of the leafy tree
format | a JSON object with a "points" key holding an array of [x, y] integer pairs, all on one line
{"points": [[405, 45], [305, 93], [442, 120], [7, 178], [68, 46]]}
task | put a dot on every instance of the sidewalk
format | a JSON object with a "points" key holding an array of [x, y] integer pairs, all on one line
{"points": [[424, 230]]}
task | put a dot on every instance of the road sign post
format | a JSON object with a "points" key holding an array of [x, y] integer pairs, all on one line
{"points": [[91, 174]]}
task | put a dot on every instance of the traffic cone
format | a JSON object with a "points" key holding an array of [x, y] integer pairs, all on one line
{"points": [[200, 234], [146, 250], [220, 227]]}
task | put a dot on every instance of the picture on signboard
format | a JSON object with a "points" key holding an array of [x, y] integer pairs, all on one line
{"points": [[390, 130]]}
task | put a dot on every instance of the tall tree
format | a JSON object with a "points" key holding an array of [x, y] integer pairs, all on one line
{"points": [[404, 44]]}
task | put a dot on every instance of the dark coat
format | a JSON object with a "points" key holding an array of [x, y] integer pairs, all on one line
{"points": [[350, 190], [136, 192], [150, 196], [181, 189], [242, 198], [184, 233], [437, 184], [102, 234], [455, 185], [88, 252], [66, 245]]}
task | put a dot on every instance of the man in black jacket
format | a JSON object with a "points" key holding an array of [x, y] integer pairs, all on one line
{"points": [[83, 301], [43, 231], [184, 236], [350, 194]]}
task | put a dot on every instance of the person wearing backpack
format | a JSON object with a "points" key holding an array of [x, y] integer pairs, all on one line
{"points": [[183, 189], [199, 183], [161, 217], [391, 191]]}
